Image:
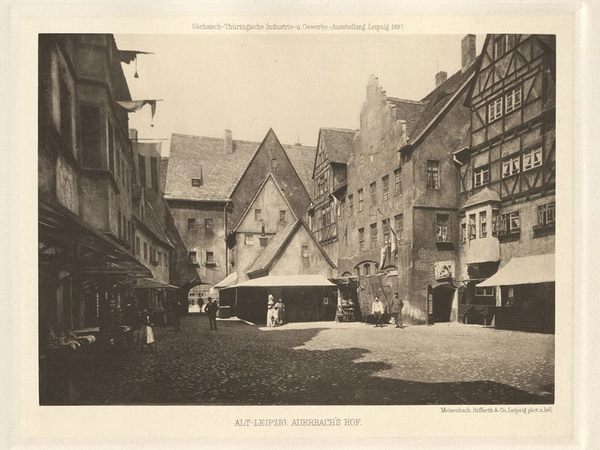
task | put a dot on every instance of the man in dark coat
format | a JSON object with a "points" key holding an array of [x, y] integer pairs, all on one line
{"points": [[397, 305], [211, 309]]}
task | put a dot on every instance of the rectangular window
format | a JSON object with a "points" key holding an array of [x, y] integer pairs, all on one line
{"points": [[210, 258], [463, 231], [361, 239], [484, 291], [511, 41], [482, 176], [510, 166], [360, 200], [342, 209], [373, 187], [398, 181], [513, 99], [472, 226], [399, 219], [510, 223], [373, 235], [500, 46], [159, 258], [145, 250], [367, 269], [305, 251], [385, 181], [282, 215], [193, 258], [442, 227], [257, 214], [196, 182], [433, 180], [385, 225], [351, 204], [91, 136], [191, 224], [547, 214], [263, 241], [138, 245], [273, 163], [495, 222], [532, 158], [208, 224], [495, 110], [482, 224], [249, 239], [153, 255]]}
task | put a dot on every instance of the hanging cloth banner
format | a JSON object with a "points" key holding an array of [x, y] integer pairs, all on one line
{"points": [[151, 149], [136, 105], [382, 256], [126, 56]]}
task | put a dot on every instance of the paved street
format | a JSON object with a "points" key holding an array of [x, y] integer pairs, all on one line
{"points": [[327, 363]]}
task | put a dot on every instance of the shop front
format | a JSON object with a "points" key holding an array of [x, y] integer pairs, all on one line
{"points": [[525, 294]]}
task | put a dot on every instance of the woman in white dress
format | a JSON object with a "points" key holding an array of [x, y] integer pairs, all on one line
{"points": [[271, 311], [146, 336]]}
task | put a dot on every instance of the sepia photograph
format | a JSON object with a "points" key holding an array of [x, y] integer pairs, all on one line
{"points": [[229, 217]]}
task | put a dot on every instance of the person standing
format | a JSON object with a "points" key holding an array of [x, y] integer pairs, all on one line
{"points": [[146, 336], [271, 311], [397, 305], [279, 313], [177, 315], [377, 310], [211, 309]]}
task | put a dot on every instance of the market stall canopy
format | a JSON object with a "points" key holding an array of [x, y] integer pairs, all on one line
{"points": [[287, 281], [524, 270], [149, 283], [228, 281]]}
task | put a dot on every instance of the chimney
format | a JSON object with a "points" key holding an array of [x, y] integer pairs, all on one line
{"points": [[440, 78], [228, 142], [468, 51]]}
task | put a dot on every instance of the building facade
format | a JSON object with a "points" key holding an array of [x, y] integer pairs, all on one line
{"points": [[507, 182], [210, 184], [398, 219]]}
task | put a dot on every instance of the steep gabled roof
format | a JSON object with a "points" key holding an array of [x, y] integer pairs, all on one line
{"points": [[438, 100], [338, 142], [273, 248], [205, 157], [277, 245]]}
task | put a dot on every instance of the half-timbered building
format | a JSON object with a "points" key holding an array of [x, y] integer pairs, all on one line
{"points": [[507, 184]]}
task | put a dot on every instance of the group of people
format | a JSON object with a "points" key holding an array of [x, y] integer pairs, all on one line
{"points": [[275, 312], [378, 309]]}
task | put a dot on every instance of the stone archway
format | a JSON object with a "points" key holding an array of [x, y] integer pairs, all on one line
{"points": [[442, 302]]}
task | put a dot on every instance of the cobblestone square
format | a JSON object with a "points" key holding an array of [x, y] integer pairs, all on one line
{"points": [[326, 363]]}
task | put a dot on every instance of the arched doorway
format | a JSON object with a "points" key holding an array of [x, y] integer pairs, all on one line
{"points": [[442, 302]]}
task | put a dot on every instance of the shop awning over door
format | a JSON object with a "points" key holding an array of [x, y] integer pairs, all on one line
{"points": [[524, 270], [287, 281]]}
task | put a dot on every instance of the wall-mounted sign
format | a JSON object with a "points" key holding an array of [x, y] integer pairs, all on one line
{"points": [[444, 270]]}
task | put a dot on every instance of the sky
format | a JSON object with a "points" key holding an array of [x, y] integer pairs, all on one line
{"points": [[294, 84]]}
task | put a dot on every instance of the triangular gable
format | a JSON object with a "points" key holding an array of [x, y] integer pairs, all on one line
{"points": [[260, 147], [260, 189], [276, 247]]}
